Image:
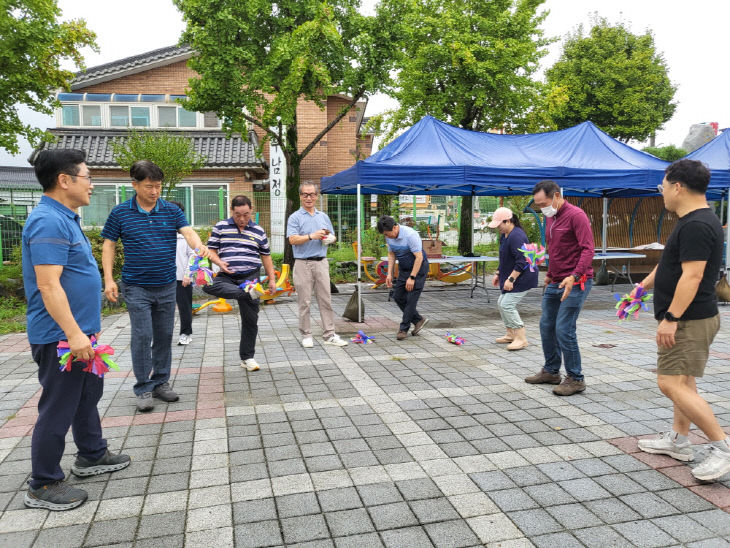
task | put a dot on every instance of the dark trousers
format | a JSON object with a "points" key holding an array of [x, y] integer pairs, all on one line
{"points": [[68, 400], [184, 298], [226, 287], [408, 300]]}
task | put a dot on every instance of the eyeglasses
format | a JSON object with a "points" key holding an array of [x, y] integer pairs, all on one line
{"points": [[308, 194], [82, 176]]}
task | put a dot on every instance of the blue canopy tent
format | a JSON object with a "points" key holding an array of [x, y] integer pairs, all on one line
{"points": [[716, 155], [433, 157]]}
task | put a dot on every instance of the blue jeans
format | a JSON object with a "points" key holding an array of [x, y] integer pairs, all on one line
{"points": [[152, 317], [557, 328]]}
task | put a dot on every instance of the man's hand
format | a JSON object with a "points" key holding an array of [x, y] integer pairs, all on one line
{"points": [[665, 333], [495, 280], [80, 346], [409, 284], [272, 288], [389, 280], [567, 283], [548, 280], [224, 267], [508, 286], [186, 281], [111, 291], [321, 233], [203, 251]]}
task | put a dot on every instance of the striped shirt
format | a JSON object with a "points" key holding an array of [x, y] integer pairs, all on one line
{"points": [[149, 239], [241, 249]]}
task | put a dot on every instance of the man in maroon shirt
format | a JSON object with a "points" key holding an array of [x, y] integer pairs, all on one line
{"points": [[567, 284]]}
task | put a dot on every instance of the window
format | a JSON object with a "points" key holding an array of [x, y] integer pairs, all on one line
{"points": [[103, 199], [92, 115], [119, 116], [187, 118], [167, 116], [210, 120], [140, 116], [205, 206], [70, 115]]}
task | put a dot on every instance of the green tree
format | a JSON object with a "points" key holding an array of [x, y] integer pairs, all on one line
{"points": [[257, 58], [615, 79], [669, 153], [469, 63], [33, 44], [174, 154]]}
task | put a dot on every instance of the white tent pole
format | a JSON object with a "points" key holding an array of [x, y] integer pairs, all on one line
{"points": [[727, 239], [359, 256], [472, 221], [604, 228]]}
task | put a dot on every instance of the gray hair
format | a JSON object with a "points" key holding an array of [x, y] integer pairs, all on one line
{"points": [[308, 183]]}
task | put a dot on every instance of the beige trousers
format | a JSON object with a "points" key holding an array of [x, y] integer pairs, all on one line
{"points": [[309, 276]]}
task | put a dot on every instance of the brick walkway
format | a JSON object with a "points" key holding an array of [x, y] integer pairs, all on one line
{"points": [[412, 443]]}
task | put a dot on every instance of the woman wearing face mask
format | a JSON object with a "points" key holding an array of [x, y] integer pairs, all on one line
{"points": [[514, 276]]}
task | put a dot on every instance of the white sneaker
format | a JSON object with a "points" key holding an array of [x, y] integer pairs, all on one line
{"points": [[250, 364], [308, 342], [716, 465], [663, 444], [185, 339], [335, 340]]}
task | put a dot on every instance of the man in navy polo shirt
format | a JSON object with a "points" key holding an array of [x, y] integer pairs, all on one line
{"points": [[310, 231], [63, 289], [239, 247], [148, 227]]}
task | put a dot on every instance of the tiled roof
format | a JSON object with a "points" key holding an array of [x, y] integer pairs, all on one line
{"points": [[219, 151], [130, 65], [18, 177]]}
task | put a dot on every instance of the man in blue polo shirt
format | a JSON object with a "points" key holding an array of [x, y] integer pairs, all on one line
{"points": [[148, 227], [405, 245], [239, 247], [63, 289], [310, 232]]}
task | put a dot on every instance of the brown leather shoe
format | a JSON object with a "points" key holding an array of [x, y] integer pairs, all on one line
{"points": [[543, 377], [569, 386], [401, 335], [420, 325]]}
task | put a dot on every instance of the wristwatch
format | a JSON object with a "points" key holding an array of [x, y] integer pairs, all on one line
{"points": [[576, 277], [670, 317], [309, 236], [411, 277], [511, 279]]}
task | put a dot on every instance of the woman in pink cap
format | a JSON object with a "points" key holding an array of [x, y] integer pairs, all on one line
{"points": [[514, 276]]}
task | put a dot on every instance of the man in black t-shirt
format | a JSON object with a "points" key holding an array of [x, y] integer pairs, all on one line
{"points": [[685, 306]]}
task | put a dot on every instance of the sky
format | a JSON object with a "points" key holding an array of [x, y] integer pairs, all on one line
{"points": [[688, 35]]}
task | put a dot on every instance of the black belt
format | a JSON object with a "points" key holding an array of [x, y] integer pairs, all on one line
{"points": [[311, 259]]}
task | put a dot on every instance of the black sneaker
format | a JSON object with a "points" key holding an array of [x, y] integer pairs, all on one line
{"points": [[165, 393], [55, 496], [108, 463]]}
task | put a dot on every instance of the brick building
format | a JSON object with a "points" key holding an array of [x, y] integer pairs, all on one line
{"points": [[140, 93]]}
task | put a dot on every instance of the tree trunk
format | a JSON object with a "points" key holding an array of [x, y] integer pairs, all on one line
{"points": [[465, 225], [293, 171]]}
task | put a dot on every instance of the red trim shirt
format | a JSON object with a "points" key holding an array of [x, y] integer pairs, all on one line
{"points": [[570, 244]]}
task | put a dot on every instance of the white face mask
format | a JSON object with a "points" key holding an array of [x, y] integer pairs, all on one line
{"points": [[549, 211]]}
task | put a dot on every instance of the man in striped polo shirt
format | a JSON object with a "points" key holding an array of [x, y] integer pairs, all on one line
{"points": [[239, 247], [148, 227]]}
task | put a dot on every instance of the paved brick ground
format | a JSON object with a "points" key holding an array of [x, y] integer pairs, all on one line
{"points": [[412, 443]]}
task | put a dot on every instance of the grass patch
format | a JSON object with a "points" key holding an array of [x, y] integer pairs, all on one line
{"points": [[12, 315]]}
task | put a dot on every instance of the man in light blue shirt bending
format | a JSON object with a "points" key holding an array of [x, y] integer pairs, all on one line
{"points": [[405, 245]]}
